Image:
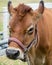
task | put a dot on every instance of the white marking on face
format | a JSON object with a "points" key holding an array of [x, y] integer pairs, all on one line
{"points": [[21, 56]]}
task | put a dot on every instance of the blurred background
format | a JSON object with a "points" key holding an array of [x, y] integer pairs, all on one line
{"points": [[4, 18]]}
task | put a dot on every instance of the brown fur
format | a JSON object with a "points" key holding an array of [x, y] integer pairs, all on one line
{"points": [[20, 21]]}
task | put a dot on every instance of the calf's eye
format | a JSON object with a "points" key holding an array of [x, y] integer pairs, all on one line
{"points": [[30, 31]]}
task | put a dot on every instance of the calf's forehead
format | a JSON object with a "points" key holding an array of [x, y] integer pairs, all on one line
{"points": [[26, 21]]}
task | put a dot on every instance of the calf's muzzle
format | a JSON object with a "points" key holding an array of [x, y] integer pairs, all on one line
{"points": [[12, 53]]}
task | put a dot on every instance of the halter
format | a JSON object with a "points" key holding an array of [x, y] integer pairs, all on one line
{"points": [[25, 49], [33, 42]]}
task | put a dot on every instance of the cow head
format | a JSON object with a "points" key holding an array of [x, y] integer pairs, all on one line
{"points": [[22, 27]]}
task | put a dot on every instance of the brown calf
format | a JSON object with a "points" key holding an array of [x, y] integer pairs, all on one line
{"points": [[30, 34]]}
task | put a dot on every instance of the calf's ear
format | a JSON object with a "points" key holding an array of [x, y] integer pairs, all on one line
{"points": [[41, 7], [10, 8]]}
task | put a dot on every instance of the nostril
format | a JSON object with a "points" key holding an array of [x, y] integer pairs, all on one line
{"points": [[17, 53]]}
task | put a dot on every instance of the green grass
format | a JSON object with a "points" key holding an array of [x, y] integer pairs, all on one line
{"points": [[5, 61]]}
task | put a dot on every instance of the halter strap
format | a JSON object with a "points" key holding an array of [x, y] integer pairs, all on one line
{"points": [[12, 39]]}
